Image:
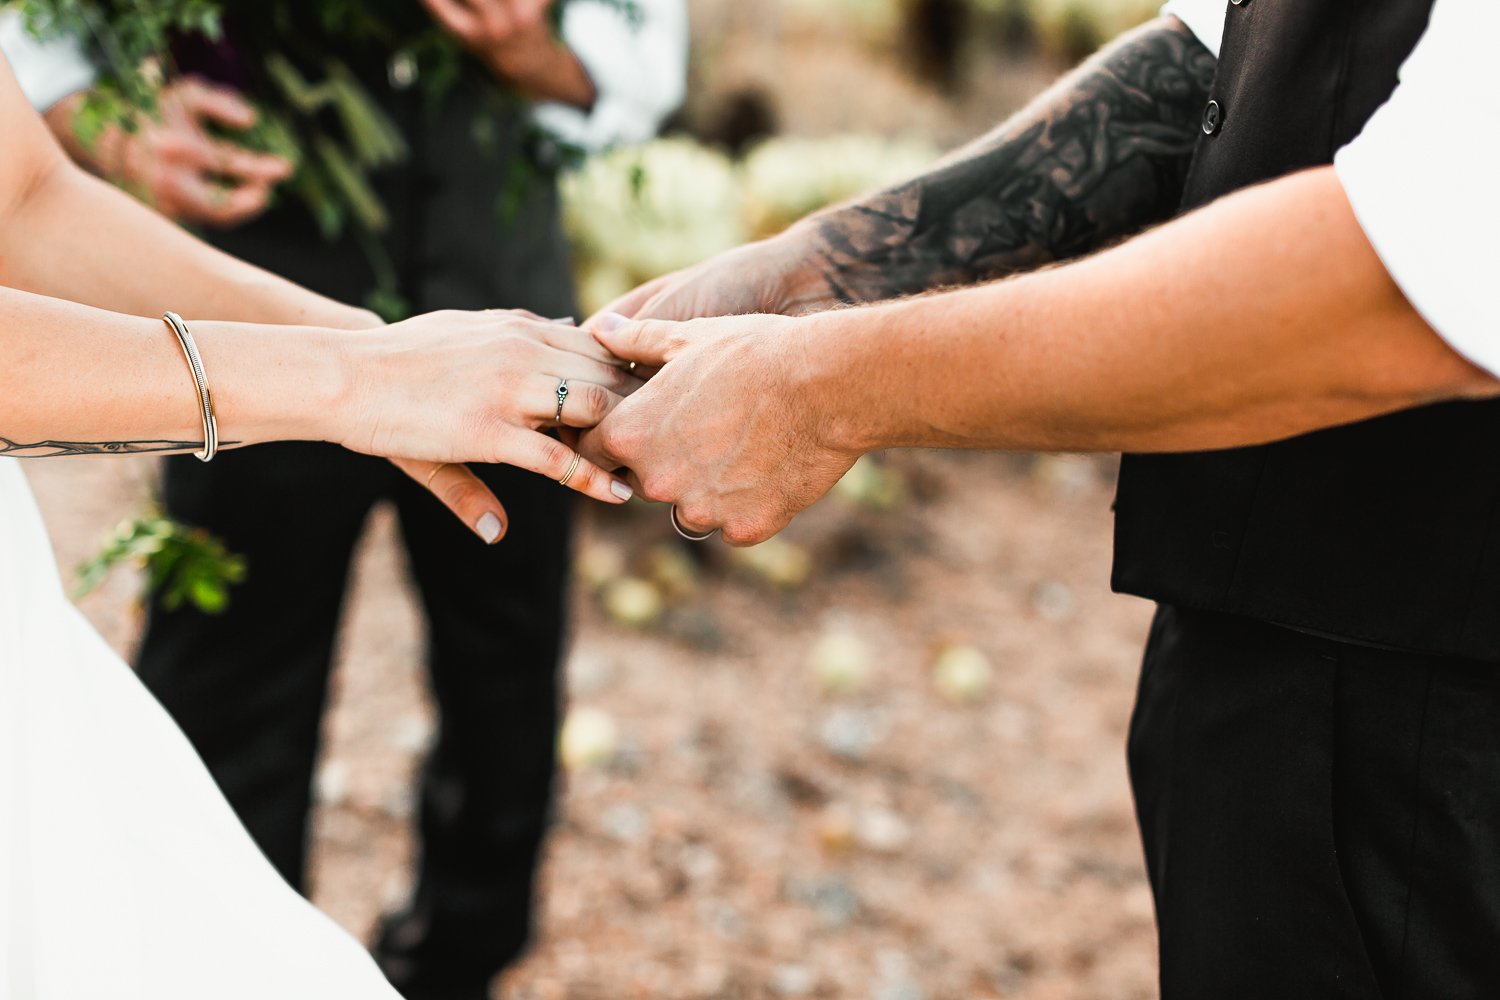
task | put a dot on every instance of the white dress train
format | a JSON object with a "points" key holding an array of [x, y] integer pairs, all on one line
{"points": [[124, 874]]}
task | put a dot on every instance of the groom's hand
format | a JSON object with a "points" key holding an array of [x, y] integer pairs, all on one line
{"points": [[731, 429], [776, 275]]}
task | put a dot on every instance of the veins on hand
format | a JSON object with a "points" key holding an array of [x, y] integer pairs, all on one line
{"points": [[59, 449], [1102, 154]]}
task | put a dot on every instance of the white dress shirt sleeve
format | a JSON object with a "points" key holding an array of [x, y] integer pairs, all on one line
{"points": [[47, 71], [1204, 18], [639, 69], [1422, 178]]}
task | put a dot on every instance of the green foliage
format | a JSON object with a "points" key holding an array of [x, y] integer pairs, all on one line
{"points": [[185, 564], [332, 130]]}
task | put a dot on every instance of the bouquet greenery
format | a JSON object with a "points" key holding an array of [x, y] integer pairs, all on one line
{"points": [[184, 563], [314, 111]]}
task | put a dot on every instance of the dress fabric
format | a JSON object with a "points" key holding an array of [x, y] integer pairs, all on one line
{"points": [[123, 872]]}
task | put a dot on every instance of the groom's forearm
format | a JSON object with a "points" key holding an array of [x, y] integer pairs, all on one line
{"points": [[1100, 155], [1265, 315]]}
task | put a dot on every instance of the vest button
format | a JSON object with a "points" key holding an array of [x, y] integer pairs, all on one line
{"points": [[1213, 117]]}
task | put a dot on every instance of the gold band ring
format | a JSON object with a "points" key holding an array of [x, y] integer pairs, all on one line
{"points": [[435, 470], [577, 457]]}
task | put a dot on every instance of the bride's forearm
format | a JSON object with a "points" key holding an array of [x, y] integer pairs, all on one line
{"points": [[121, 384], [78, 238], [67, 234]]}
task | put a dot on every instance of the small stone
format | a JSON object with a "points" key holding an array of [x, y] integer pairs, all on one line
{"points": [[1052, 600], [412, 734], [599, 562], [836, 828], [672, 570], [1063, 475], [868, 484], [793, 980], [588, 739], [625, 822], [852, 733], [331, 786], [780, 564], [840, 660], [962, 674], [695, 624], [633, 602], [589, 671], [881, 831]]}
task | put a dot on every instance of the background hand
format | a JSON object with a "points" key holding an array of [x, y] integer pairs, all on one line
{"points": [[175, 165], [514, 39], [728, 429]]}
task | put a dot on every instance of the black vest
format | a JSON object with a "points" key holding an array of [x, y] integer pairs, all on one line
{"points": [[1386, 531]]}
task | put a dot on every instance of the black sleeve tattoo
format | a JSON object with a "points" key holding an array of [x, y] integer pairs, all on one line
{"points": [[57, 449], [1101, 155]]}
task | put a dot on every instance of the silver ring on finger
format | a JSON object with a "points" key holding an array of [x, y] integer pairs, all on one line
{"points": [[677, 526], [577, 457], [562, 397]]}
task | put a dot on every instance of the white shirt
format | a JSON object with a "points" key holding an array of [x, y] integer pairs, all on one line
{"points": [[1424, 175], [639, 69]]}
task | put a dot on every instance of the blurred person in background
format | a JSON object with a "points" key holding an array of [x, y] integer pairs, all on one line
{"points": [[1299, 359], [249, 686]]}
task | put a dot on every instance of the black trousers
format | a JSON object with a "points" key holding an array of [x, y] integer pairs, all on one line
{"points": [[1320, 819], [248, 687]]}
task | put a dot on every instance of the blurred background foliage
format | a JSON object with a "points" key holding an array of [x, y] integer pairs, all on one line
{"points": [[795, 105]]}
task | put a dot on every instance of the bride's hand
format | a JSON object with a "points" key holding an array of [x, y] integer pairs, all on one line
{"points": [[451, 387]]}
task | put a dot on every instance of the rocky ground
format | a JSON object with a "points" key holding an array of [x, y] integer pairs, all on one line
{"points": [[759, 831]]}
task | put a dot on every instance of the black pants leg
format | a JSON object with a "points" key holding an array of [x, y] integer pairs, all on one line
{"points": [[248, 686], [1320, 819], [496, 617]]}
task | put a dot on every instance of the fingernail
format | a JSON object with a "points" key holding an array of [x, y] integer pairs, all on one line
{"points": [[488, 528], [609, 322], [565, 321], [621, 490]]}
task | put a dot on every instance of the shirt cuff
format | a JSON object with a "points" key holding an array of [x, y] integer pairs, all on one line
{"points": [[47, 71], [639, 72], [1204, 18]]}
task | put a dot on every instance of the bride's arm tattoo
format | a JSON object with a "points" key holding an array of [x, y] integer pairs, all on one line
{"points": [[1099, 156], [58, 449]]}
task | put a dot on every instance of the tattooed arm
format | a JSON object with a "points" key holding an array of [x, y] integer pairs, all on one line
{"points": [[1100, 155]]}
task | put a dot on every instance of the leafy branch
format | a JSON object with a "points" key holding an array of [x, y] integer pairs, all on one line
{"points": [[185, 564]]}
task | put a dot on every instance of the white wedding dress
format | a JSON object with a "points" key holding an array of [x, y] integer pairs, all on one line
{"points": [[124, 874]]}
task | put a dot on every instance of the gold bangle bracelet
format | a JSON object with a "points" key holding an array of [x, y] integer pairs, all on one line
{"points": [[200, 381]]}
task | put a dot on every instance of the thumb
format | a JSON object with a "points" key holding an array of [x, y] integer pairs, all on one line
{"points": [[648, 342]]}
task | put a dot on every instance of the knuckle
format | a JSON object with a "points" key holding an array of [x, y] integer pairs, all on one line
{"points": [[556, 456], [595, 400], [657, 487]]}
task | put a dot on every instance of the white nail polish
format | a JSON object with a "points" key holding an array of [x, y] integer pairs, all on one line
{"points": [[609, 322], [488, 528], [565, 321], [621, 490]]}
